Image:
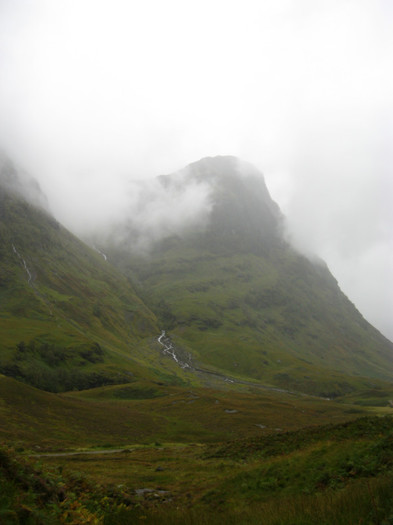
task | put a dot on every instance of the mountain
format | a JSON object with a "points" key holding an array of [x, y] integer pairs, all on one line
{"points": [[190, 341], [238, 304], [240, 299], [68, 318]]}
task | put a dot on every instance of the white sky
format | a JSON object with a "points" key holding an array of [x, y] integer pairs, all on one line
{"points": [[95, 92]]}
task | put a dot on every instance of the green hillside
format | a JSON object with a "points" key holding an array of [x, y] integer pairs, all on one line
{"points": [[243, 301], [68, 319], [237, 302]]}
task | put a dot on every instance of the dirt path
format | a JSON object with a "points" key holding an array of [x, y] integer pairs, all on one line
{"points": [[80, 453]]}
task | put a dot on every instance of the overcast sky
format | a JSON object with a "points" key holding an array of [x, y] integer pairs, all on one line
{"points": [[95, 92]]}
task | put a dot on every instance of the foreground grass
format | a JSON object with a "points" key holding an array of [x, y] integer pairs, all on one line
{"points": [[199, 456], [366, 502], [334, 474]]}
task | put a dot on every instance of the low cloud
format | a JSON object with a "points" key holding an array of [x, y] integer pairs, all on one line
{"points": [[155, 209]]}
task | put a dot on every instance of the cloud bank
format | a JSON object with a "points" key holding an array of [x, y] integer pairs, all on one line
{"points": [[157, 210]]}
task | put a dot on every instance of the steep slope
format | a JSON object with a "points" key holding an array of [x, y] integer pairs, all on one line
{"points": [[68, 319], [242, 300]]}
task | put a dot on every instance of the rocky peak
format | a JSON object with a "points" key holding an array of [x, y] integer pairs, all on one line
{"points": [[243, 213]]}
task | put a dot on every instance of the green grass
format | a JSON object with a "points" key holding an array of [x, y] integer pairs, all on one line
{"points": [[31, 494], [365, 502], [329, 474]]}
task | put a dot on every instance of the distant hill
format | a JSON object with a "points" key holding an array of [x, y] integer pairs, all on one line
{"points": [[243, 300]]}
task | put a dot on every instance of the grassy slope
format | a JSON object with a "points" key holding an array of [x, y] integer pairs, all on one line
{"points": [[246, 302], [55, 291], [275, 317]]}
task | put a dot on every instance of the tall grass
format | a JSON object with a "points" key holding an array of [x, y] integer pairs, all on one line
{"points": [[364, 502]]}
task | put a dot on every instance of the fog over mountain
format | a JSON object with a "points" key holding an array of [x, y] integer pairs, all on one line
{"points": [[21, 183], [154, 210], [97, 98]]}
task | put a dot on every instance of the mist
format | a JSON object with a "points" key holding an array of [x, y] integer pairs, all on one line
{"points": [[97, 98], [154, 211]]}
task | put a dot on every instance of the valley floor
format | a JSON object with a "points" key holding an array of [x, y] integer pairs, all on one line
{"points": [[330, 474], [147, 452]]}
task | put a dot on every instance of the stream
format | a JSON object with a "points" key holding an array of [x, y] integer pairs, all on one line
{"points": [[169, 349], [24, 264]]}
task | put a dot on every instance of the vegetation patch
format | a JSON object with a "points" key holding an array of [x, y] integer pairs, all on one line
{"points": [[129, 392], [31, 494], [287, 442], [339, 474], [57, 369]]}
